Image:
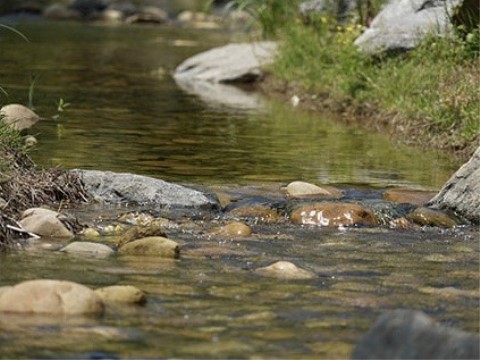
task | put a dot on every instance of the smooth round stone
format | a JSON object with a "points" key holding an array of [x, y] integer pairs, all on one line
{"points": [[234, 229], [91, 233], [285, 270], [333, 215], [304, 189], [19, 117], [88, 248], [428, 217], [53, 297], [406, 196], [154, 246], [257, 211], [44, 222], [139, 232], [126, 294]]}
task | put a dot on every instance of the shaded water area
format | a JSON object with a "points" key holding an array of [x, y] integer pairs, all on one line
{"points": [[128, 115]]}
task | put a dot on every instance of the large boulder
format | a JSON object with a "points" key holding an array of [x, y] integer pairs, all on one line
{"points": [[111, 187], [461, 193], [232, 63], [50, 297], [408, 334], [402, 24]]}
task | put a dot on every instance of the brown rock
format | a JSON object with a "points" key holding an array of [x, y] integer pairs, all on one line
{"points": [[53, 297], [333, 215], [406, 196], [154, 245], [138, 232], [234, 229], [428, 217], [258, 211], [19, 117]]}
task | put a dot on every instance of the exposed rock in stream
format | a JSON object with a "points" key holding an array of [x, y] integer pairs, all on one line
{"points": [[18, 116], [111, 187], [461, 193], [52, 297], [408, 334]]}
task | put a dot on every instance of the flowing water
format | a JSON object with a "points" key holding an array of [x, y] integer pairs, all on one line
{"points": [[127, 114]]}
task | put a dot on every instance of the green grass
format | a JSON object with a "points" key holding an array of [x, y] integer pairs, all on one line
{"points": [[432, 90]]}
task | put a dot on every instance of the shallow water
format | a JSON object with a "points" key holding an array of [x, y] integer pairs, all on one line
{"points": [[127, 114]]}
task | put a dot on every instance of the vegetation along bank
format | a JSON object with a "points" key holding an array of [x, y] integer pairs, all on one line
{"points": [[420, 83]]}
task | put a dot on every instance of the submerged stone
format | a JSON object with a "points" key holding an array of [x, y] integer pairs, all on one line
{"points": [[409, 334], [86, 247], [234, 229], [333, 215], [154, 246], [138, 232], [53, 297], [406, 196], [121, 294], [285, 270], [261, 212], [428, 217]]}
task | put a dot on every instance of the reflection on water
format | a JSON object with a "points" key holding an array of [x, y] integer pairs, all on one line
{"points": [[128, 115]]}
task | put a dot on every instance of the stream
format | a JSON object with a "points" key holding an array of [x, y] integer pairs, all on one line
{"points": [[126, 114]]}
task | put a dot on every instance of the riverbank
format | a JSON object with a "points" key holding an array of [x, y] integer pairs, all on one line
{"points": [[427, 96]]}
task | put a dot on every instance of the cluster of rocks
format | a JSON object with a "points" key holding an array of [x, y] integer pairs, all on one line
{"points": [[129, 12]]}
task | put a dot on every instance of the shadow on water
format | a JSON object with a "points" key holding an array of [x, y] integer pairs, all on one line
{"points": [[128, 115]]}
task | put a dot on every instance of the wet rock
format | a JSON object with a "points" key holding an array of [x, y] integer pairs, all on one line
{"points": [[113, 187], [53, 297], [87, 248], [401, 25], [303, 189], [406, 196], [60, 12], [138, 232], [154, 246], [409, 334], [461, 193], [30, 141], [234, 229], [111, 15], [262, 212], [285, 270], [427, 217], [148, 14], [44, 222], [333, 215], [233, 63], [19, 117], [90, 233], [126, 294]]}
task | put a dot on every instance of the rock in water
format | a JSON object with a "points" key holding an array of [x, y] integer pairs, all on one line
{"points": [[408, 334], [113, 187], [19, 117], [152, 246], [126, 294], [232, 63], [461, 193], [285, 270], [51, 297]]}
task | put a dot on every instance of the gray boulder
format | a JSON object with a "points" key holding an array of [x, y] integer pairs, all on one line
{"points": [[461, 193], [233, 63], [408, 334], [110, 187], [339, 8], [402, 24]]}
